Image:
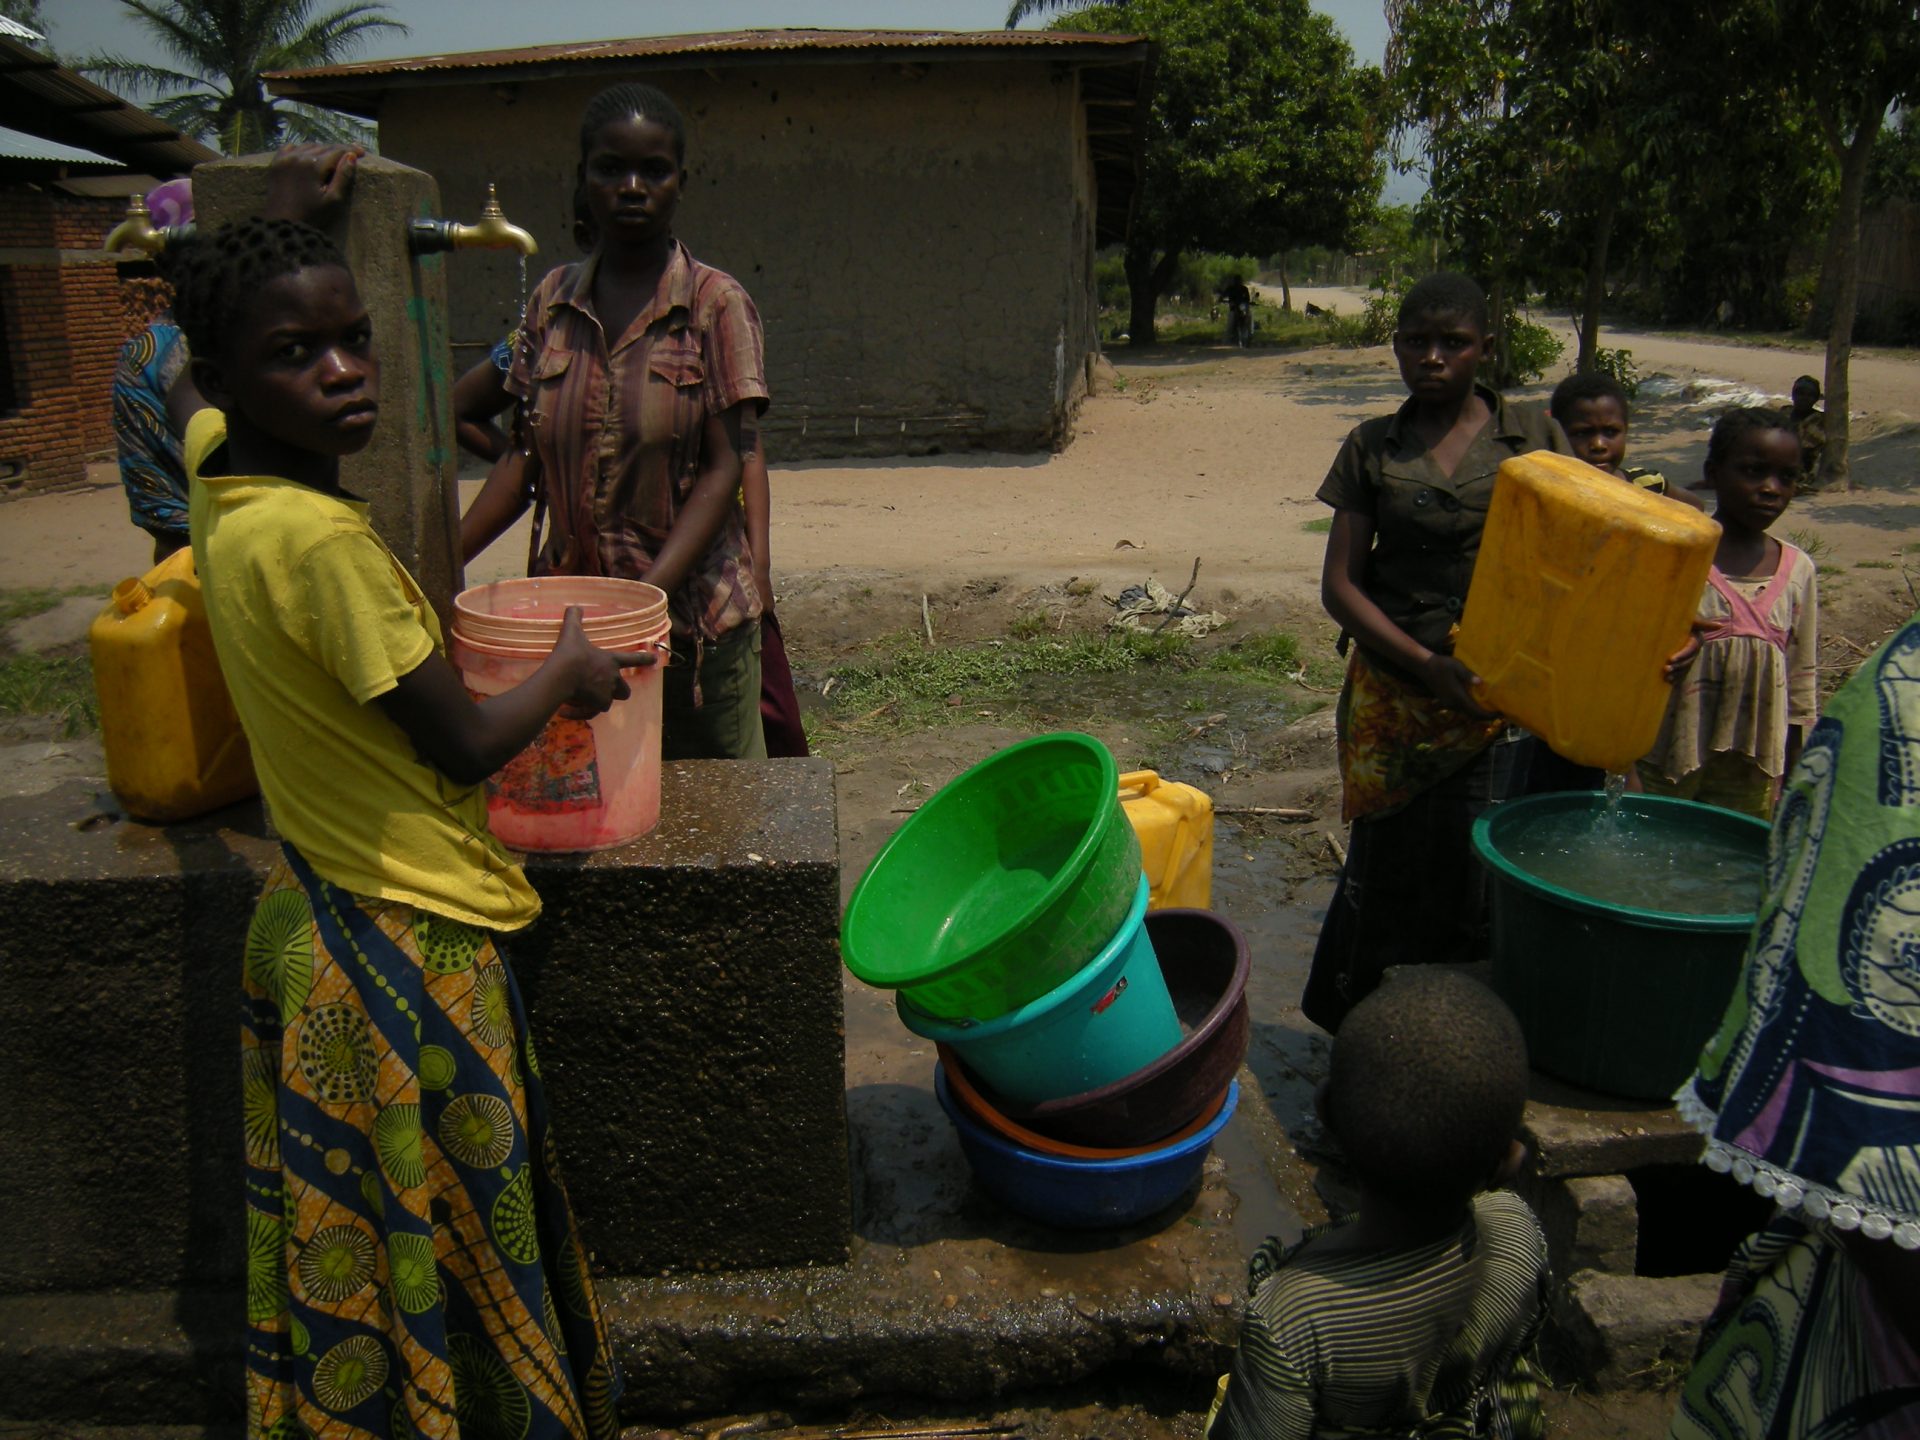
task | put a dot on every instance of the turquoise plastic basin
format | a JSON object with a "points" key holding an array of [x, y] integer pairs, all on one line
{"points": [[1111, 1019]]}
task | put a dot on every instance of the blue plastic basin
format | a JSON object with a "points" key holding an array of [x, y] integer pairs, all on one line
{"points": [[1080, 1194]]}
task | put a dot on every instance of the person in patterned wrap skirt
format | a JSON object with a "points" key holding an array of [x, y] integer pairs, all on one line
{"points": [[413, 1266]]}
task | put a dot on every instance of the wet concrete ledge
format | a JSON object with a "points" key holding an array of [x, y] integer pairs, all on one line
{"points": [[975, 1305]]}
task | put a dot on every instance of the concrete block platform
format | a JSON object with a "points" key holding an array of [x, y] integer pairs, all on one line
{"points": [[1633, 1332], [748, 1135]]}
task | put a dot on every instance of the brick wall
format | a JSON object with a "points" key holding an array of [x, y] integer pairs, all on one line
{"points": [[64, 322]]}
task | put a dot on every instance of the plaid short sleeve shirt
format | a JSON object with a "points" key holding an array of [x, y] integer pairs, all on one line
{"points": [[619, 428]]}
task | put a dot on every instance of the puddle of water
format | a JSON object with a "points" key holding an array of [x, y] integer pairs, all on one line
{"points": [[1258, 1210]]}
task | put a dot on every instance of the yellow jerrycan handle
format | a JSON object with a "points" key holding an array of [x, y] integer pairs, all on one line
{"points": [[1137, 783]]}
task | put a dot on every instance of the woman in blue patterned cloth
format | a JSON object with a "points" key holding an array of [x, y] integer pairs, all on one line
{"points": [[1810, 1093], [152, 397]]}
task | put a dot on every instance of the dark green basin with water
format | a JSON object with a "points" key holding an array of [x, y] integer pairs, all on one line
{"points": [[1611, 996]]}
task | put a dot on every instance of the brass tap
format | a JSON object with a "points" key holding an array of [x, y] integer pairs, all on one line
{"points": [[136, 231], [491, 232]]}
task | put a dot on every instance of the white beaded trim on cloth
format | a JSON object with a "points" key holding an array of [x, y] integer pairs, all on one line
{"points": [[1787, 1190]]}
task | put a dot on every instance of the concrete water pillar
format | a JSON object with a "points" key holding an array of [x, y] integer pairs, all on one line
{"points": [[407, 472]]}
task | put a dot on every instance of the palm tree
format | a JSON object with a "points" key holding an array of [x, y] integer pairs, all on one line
{"points": [[220, 48]]}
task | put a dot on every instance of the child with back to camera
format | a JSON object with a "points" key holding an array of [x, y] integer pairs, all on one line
{"points": [[1745, 690], [413, 1265], [1417, 1315], [1419, 758]]}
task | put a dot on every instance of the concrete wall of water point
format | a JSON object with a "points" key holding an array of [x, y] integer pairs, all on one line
{"points": [[918, 239], [685, 999]]}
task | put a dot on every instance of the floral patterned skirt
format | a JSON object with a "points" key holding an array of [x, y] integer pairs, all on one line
{"points": [[413, 1268]]}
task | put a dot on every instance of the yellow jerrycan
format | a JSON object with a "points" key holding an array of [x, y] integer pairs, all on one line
{"points": [[174, 745], [1583, 586], [1175, 826]]}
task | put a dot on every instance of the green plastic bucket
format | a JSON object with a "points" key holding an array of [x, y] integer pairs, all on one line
{"points": [[1114, 1017], [1002, 886], [1611, 997]]}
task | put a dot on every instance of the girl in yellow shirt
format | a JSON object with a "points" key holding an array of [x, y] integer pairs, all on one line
{"points": [[412, 1262]]}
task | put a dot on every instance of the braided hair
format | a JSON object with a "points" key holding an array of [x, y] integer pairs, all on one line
{"points": [[1735, 423], [621, 102], [219, 273]]}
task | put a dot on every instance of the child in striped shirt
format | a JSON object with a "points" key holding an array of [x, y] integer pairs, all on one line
{"points": [[1417, 1314]]}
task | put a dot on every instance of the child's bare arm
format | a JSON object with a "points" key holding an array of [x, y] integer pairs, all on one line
{"points": [[756, 497], [1343, 592], [501, 501], [478, 396], [706, 505], [467, 740]]}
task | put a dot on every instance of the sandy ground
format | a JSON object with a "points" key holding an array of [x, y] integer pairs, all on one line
{"points": [[1213, 453]]}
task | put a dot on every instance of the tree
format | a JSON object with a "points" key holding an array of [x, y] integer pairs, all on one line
{"points": [[1532, 119], [221, 48], [1896, 162], [1263, 134], [1854, 60]]}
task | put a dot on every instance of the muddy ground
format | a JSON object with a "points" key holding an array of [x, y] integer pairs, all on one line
{"points": [[1194, 455]]}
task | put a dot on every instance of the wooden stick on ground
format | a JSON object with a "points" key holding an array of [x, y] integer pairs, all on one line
{"points": [[1180, 599], [1272, 812], [926, 616], [1339, 850]]}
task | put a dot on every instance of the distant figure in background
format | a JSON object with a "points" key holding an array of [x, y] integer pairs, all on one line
{"points": [[153, 395], [1239, 301], [1810, 424]]}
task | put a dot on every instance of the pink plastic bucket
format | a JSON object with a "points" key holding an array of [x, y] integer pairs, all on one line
{"points": [[529, 612], [582, 784]]}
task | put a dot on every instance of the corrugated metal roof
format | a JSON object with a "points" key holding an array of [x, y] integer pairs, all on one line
{"points": [[18, 31], [351, 87], [39, 96], [18, 145]]}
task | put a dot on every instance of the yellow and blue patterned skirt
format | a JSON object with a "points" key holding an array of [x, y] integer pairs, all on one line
{"points": [[413, 1268]]}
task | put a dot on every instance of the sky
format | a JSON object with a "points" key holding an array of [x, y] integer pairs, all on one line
{"points": [[80, 27]]}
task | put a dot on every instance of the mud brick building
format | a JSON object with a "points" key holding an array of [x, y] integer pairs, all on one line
{"points": [[914, 212], [70, 154]]}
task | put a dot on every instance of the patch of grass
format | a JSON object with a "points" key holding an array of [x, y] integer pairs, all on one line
{"points": [[56, 685], [1030, 626], [1812, 542], [902, 684], [1831, 572], [1875, 565], [1275, 653], [1317, 527], [1273, 328], [25, 604]]}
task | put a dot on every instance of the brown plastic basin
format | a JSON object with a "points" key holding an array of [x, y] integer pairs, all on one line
{"points": [[1205, 961]]}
